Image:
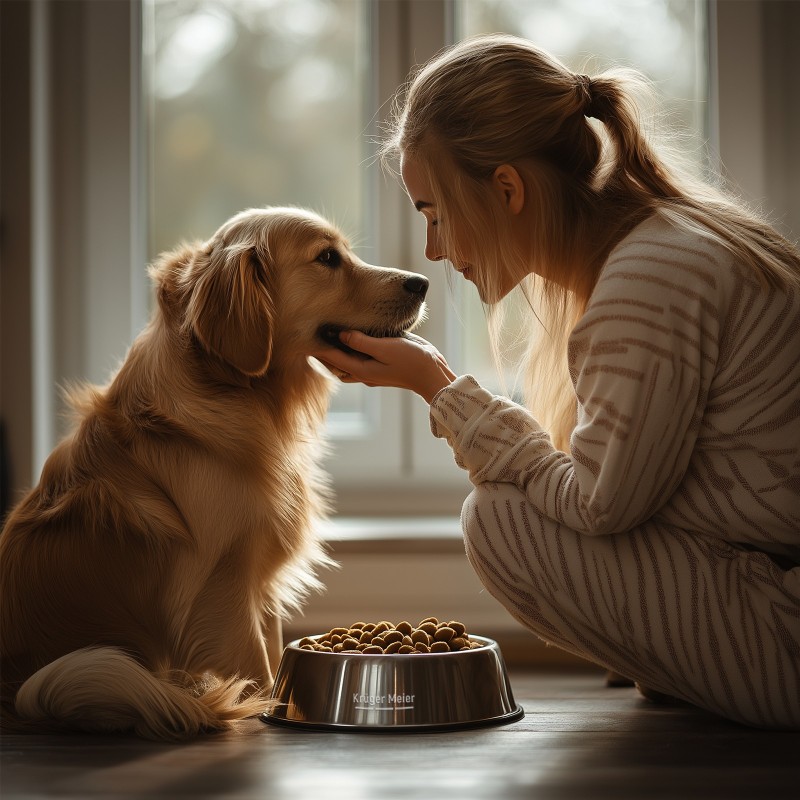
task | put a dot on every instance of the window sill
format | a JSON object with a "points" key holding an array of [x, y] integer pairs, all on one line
{"points": [[382, 535]]}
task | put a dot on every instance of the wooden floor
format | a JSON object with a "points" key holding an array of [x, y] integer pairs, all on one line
{"points": [[578, 740]]}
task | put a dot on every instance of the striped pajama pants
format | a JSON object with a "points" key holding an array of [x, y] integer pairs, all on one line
{"points": [[686, 614]]}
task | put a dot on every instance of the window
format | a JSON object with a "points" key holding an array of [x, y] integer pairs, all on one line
{"points": [[275, 102]]}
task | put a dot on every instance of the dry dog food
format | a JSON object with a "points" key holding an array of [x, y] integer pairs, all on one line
{"points": [[430, 636]]}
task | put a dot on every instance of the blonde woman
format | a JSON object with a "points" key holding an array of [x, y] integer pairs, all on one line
{"points": [[643, 509]]}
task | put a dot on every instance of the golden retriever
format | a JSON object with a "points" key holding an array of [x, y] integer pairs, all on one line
{"points": [[144, 579]]}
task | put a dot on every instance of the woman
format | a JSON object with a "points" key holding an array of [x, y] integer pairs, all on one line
{"points": [[643, 510]]}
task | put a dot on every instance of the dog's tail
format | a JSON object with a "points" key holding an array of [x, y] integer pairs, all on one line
{"points": [[103, 689]]}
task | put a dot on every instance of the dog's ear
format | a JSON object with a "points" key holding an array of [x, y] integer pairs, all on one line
{"points": [[166, 274], [230, 307]]}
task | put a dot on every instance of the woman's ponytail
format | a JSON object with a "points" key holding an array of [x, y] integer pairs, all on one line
{"points": [[640, 174], [637, 168]]}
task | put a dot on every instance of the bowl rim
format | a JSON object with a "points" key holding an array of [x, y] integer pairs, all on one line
{"points": [[486, 644]]}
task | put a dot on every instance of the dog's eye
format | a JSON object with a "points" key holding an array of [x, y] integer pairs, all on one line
{"points": [[330, 257]]}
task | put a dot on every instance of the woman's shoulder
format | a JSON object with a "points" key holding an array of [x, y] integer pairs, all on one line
{"points": [[660, 243], [660, 256]]}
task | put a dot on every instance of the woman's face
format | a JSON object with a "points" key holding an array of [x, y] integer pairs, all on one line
{"points": [[465, 260], [419, 190]]}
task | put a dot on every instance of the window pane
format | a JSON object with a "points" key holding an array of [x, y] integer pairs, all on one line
{"points": [[255, 103], [664, 39]]}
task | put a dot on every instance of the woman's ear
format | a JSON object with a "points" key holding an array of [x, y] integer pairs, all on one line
{"points": [[230, 309], [508, 183]]}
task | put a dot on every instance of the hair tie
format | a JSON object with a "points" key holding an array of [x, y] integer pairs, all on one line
{"points": [[584, 83]]}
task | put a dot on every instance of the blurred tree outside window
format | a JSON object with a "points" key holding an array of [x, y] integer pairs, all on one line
{"points": [[255, 103]]}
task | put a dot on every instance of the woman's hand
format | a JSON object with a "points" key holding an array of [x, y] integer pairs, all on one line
{"points": [[406, 362]]}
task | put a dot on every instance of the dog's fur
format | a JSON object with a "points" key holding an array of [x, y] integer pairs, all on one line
{"points": [[143, 581]]}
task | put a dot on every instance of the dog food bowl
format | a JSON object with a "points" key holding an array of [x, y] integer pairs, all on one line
{"points": [[354, 691]]}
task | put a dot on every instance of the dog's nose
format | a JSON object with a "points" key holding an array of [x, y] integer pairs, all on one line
{"points": [[416, 285]]}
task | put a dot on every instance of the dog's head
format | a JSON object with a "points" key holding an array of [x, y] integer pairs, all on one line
{"points": [[273, 283]]}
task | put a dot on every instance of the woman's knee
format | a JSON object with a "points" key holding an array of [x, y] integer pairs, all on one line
{"points": [[470, 515], [503, 534], [484, 513], [504, 506]]}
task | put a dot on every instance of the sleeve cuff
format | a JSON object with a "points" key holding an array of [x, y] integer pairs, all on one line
{"points": [[454, 404]]}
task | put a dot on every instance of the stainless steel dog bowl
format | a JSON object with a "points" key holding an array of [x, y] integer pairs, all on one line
{"points": [[354, 691]]}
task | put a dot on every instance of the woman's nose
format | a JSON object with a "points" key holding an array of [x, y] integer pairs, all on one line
{"points": [[433, 251]]}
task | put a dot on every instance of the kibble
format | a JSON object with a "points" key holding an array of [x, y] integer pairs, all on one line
{"points": [[429, 636], [419, 637], [428, 627], [392, 636], [444, 634]]}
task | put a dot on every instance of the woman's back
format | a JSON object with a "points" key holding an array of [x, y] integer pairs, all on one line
{"points": [[688, 383]]}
